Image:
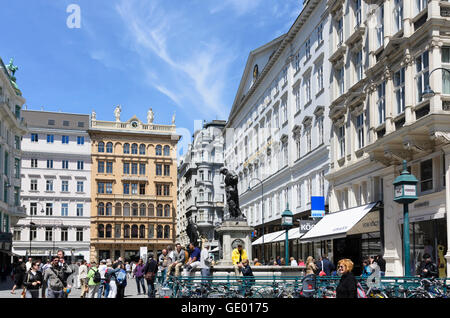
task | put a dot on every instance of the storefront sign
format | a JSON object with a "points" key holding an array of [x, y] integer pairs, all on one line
{"points": [[306, 226], [369, 223], [143, 253], [317, 207]]}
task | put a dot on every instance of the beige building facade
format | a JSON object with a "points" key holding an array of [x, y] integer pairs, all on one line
{"points": [[134, 187]]}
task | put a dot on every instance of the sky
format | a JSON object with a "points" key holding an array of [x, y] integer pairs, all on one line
{"points": [[174, 56]]}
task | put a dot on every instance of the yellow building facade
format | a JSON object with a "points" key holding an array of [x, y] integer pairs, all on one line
{"points": [[134, 187]]}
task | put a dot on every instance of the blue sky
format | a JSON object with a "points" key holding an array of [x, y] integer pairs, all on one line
{"points": [[172, 55]]}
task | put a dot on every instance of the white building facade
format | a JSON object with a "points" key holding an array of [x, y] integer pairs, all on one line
{"points": [[201, 190], [12, 128], [382, 54], [278, 132], [56, 186]]}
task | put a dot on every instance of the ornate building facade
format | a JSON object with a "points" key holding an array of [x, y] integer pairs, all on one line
{"points": [[134, 186]]}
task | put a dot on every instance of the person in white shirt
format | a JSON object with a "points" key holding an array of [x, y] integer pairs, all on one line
{"points": [[205, 263], [82, 275], [102, 270], [293, 262], [133, 267], [128, 269], [28, 264]]}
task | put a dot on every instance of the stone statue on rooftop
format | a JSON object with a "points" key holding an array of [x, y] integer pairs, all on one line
{"points": [[117, 111], [150, 116], [94, 115], [173, 118]]}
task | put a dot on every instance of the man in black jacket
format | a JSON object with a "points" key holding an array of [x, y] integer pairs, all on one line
{"points": [[150, 271], [427, 269]]}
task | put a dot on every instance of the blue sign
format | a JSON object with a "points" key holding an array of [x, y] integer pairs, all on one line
{"points": [[317, 207]]}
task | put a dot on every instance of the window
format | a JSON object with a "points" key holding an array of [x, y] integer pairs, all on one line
{"points": [[151, 231], [108, 209], [101, 187], [357, 12], [381, 102], [398, 15], [158, 169], [166, 190], [101, 209], [49, 209], [166, 231], [65, 164], [33, 209], [340, 81], [126, 231], [142, 149], [360, 130], [80, 140], [158, 150], [421, 74], [34, 163], [101, 167], [134, 188], [380, 26], [65, 186], [79, 209], [126, 209], [66, 123], [151, 210], [17, 142], [159, 231], [118, 209], [134, 149], [101, 146], [50, 139], [33, 234], [142, 168], [421, 5], [134, 231], [109, 187], [319, 78], [134, 168], [320, 33], [33, 185], [126, 188], [51, 122], [79, 235], [34, 138], [276, 119], [17, 235], [399, 89], [166, 151], [142, 210], [48, 234], [101, 231], [80, 186], [341, 140], [320, 129], [426, 175], [298, 146], [80, 165], [340, 31], [158, 189], [297, 62], [126, 148], [359, 66], [80, 124], [308, 49], [297, 98], [126, 168], [49, 185], [109, 147], [65, 139], [64, 209], [142, 231], [308, 89], [109, 167], [445, 74], [49, 164]]}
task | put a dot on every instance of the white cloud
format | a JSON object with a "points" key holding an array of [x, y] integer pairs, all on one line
{"points": [[240, 7]]}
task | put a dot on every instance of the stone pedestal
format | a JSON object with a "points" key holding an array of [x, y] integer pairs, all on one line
{"points": [[233, 232]]}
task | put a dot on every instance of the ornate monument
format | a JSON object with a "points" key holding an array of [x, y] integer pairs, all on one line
{"points": [[231, 191]]}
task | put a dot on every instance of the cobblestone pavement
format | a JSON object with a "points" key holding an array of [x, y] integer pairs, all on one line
{"points": [[130, 290]]}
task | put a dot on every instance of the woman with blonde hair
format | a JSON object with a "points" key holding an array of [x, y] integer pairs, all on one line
{"points": [[347, 287], [311, 267]]}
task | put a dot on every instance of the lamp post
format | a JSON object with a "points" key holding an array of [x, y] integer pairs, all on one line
{"points": [[428, 92], [287, 222], [262, 214], [405, 192]]}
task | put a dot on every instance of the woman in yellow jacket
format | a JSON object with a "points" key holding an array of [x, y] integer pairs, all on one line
{"points": [[237, 256]]}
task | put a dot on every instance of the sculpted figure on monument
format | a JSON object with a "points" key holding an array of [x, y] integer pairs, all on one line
{"points": [[231, 190]]}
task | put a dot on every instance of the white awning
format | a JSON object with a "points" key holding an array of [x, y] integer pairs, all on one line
{"points": [[278, 236], [337, 224], [267, 237]]}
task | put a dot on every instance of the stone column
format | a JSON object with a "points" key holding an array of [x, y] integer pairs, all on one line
{"points": [[436, 78], [446, 149], [408, 63], [389, 102]]}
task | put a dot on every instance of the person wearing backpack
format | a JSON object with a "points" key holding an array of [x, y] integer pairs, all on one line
{"points": [[121, 281], [54, 278], [94, 280], [348, 284]]}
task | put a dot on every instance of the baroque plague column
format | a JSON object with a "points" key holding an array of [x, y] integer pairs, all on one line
{"points": [[134, 186]]}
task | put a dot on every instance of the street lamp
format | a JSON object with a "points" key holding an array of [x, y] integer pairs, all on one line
{"points": [[428, 92], [287, 222], [262, 214], [405, 192]]}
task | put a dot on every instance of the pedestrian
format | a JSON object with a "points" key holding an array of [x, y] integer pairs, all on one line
{"points": [[325, 265], [382, 264], [301, 262], [249, 278], [19, 272], [366, 270], [347, 287], [133, 268], [47, 265], [282, 261], [178, 260], [293, 262], [94, 280], [65, 275], [28, 264], [311, 267], [121, 281], [128, 269], [33, 281], [55, 277], [110, 275], [278, 260], [150, 270], [82, 274], [164, 262], [205, 264], [194, 259], [138, 273], [256, 262], [237, 256], [102, 288], [427, 269]]}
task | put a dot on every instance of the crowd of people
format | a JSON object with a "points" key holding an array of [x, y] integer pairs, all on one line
{"points": [[109, 278]]}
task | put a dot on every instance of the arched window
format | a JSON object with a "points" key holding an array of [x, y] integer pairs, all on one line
{"points": [[134, 148], [159, 210], [108, 209], [126, 209], [109, 147], [101, 208], [101, 146], [142, 210], [151, 210], [108, 230], [126, 231], [101, 231], [118, 210], [126, 148], [134, 231], [134, 209], [151, 231], [159, 150], [166, 151], [142, 149], [159, 231], [142, 231], [166, 231], [167, 210]]}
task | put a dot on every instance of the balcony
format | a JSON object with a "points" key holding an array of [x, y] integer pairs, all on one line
{"points": [[356, 36]]}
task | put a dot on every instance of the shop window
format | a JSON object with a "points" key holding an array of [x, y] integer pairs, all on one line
{"points": [[426, 175]]}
